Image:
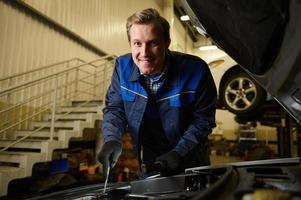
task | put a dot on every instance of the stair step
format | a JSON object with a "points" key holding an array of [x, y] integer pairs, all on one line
{"points": [[73, 116], [30, 144], [25, 160], [61, 135], [90, 103], [38, 134], [57, 124], [93, 109], [17, 156], [34, 145], [7, 174]]}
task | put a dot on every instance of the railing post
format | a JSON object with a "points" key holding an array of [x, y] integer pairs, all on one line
{"points": [[76, 82], [104, 82], [53, 107], [5, 115], [66, 81], [95, 83]]}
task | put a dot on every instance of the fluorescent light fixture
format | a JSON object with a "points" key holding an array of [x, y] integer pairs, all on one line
{"points": [[201, 30], [184, 18], [206, 48]]}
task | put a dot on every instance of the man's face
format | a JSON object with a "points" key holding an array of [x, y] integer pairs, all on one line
{"points": [[148, 47]]}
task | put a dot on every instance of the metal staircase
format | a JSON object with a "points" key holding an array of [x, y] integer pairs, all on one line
{"points": [[42, 109]]}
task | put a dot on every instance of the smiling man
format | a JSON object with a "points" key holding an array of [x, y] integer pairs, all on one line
{"points": [[166, 99], [149, 45]]}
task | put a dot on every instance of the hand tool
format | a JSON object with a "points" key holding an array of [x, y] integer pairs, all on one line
{"points": [[106, 181]]}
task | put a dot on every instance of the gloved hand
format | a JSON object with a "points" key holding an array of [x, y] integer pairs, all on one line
{"points": [[170, 160], [109, 155]]}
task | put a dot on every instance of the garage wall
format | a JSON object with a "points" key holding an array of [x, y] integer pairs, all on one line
{"points": [[27, 43], [101, 22]]}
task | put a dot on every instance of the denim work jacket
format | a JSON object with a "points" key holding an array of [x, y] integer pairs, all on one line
{"points": [[186, 102]]}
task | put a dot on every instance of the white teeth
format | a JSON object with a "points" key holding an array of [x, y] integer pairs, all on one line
{"points": [[146, 60]]}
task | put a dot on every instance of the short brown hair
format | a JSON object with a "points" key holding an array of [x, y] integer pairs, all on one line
{"points": [[147, 16]]}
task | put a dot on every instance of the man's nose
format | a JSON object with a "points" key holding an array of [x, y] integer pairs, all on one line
{"points": [[145, 50]]}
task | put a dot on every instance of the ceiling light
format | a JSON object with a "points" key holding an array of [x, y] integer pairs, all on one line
{"points": [[206, 48], [184, 18]]}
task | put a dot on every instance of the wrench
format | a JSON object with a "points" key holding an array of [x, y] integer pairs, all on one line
{"points": [[106, 181]]}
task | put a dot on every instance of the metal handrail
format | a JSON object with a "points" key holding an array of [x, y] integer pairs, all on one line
{"points": [[83, 78], [29, 100], [43, 94], [23, 120], [21, 85], [39, 69], [55, 77]]}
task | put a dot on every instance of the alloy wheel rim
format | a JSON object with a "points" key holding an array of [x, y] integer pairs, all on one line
{"points": [[240, 94]]}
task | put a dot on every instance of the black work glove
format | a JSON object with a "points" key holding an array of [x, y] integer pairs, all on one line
{"points": [[109, 155], [170, 162]]}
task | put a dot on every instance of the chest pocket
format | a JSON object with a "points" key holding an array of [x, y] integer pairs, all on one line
{"points": [[127, 95], [183, 99]]}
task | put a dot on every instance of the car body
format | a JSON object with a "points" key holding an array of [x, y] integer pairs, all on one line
{"points": [[262, 36], [238, 92]]}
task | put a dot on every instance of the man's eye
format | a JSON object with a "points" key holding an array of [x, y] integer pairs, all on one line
{"points": [[137, 44], [153, 44]]}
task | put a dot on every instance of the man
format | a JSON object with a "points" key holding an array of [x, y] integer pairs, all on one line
{"points": [[167, 100]]}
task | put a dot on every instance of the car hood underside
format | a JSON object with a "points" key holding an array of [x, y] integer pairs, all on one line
{"points": [[262, 36]]}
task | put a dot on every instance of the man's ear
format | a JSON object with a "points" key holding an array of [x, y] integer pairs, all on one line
{"points": [[168, 43]]}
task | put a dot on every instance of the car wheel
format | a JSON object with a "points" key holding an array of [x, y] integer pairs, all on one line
{"points": [[241, 95]]}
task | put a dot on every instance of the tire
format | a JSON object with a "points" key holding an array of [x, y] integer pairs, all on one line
{"points": [[241, 95]]}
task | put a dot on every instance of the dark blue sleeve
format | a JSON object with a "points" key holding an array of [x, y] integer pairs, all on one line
{"points": [[114, 120]]}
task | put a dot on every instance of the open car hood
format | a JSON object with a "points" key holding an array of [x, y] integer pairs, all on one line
{"points": [[263, 36]]}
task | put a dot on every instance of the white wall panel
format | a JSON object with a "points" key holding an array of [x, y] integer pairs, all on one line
{"points": [[101, 22], [182, 41], [26, 43]]}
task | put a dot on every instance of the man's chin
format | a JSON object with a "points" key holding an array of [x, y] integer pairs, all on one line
{"points": [[146, 71]]}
